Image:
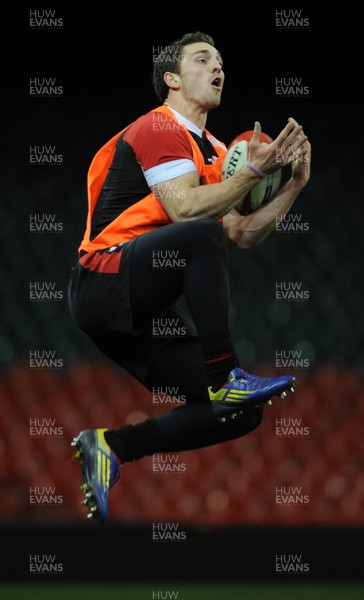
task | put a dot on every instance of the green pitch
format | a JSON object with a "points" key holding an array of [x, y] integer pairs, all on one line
{"points": [[174, 591]]}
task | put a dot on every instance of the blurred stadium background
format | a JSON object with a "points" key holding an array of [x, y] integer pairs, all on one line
{"points": [[226, 498]]}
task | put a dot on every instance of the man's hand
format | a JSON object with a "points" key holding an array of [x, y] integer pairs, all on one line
{"points": [[285, 149], [301, 168], [246, 232]]}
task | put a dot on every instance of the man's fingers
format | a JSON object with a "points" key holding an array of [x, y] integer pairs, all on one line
{"points": [[295, 138], [290, 142], [257, 132], [286, 132], [290, 148], [297, 154], [290, 135]]}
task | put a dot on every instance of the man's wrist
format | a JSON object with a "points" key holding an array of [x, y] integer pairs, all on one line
{"points": [[255, 170]]}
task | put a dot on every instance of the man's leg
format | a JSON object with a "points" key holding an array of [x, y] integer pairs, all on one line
{"points": [[202, 279], [187, 259], [182, 259], [179, 367], [190, 258]]}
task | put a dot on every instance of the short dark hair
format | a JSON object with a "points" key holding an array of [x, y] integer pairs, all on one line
{"points": [[169, 59]]}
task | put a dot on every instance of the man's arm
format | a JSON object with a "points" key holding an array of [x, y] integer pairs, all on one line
{"points": [[184, 199], [248, 231]]}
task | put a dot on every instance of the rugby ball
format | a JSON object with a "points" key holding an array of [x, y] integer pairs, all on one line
{"points": [[235, 159]]}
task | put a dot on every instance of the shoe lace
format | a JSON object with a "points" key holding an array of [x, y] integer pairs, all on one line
{"points": [[242, 375], [248, 377]]}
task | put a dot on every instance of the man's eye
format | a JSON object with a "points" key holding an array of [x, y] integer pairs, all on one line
{"points": [[201, 60]]}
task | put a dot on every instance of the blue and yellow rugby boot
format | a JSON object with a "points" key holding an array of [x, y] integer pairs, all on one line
{"points": [[100, 471], [243, 390]]}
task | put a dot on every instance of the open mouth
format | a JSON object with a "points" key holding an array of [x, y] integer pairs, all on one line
{"points": [[216, 83]]}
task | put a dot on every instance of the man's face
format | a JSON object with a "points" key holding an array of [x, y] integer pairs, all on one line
{"points": [[201, 75]]}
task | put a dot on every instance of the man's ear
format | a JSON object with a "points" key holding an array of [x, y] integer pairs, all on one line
{"points": [[171, 80]]}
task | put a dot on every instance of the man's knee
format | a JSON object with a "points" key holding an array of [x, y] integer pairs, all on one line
{"points": [[207, 232]]}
